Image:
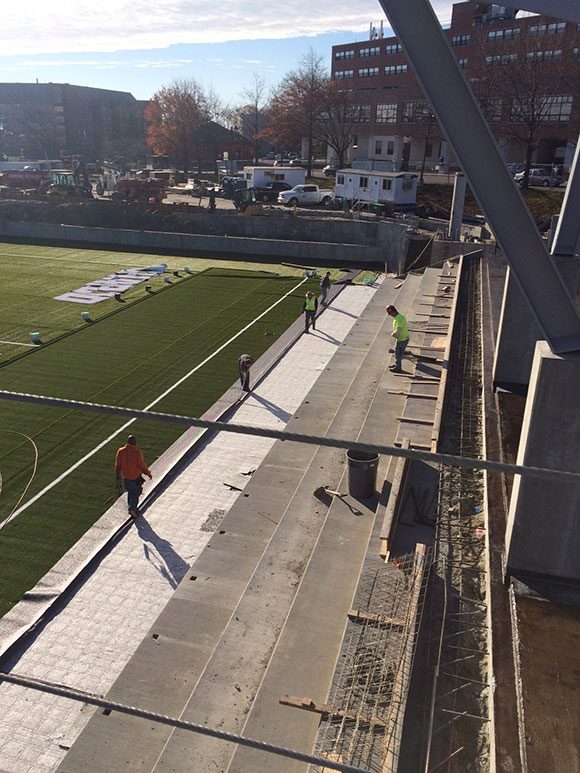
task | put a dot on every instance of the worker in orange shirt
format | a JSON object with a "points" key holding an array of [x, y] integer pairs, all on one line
{"points": [[130, 464]]}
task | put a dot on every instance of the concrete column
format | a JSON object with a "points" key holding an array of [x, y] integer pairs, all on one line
{"points": [[457, 206], [543, 529], [398, 152], [518, 330]]}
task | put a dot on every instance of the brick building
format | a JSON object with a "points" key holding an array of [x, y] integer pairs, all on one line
{"points": [[524, 71], [51, 120]]}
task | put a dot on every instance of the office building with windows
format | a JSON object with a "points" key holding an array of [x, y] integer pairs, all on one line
{"points": [[524, 70]]}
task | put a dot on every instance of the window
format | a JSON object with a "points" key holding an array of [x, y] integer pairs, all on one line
{"points": [[554, 108], [417, 111], [344, 74], [360, 114], [428, 149], [544, 56], [494, 36], [462, 63], [378, 147], [576, 52], [491, 109], [386, 113], [395, 69], [363, 182], [394, 48], [387, 185], [500, 60], [460, 40], [340, 179], [390, 147], [368, 72], [556, 28], [374, 51], [344, 54]]}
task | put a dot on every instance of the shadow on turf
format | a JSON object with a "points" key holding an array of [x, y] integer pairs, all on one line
{"points": [[169, 563]]}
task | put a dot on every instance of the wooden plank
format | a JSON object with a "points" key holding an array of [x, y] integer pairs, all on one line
{"points": [[426, 314], [331, 711], [410, 394], [395, 496], [415, 421], [400, 691], [446, 356], [366, 617], [420, 446]]}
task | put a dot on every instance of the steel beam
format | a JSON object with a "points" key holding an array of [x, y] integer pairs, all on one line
{"points": [[559, 9], [566, 242], [458, 114]]}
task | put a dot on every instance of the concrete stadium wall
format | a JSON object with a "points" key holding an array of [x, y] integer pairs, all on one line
{"points": [[202, 245], [323, 229]]}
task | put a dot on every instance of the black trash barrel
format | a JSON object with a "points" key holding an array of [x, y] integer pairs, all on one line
{"points": [[362, 473]]}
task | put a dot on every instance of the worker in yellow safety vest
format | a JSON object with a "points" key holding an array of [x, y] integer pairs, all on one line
{"points": [[310, 308], [400, 334]]}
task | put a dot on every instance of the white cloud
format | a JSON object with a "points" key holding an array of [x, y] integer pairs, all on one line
{"points": [[34, 27], [98, 64]]}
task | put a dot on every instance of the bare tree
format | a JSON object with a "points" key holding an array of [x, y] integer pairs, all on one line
{"points": [[336, 119], [297, 104], [252, 115], [527, 92]]}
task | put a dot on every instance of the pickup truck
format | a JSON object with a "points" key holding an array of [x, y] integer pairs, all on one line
{"points": [[270, 191], [305, 194]]}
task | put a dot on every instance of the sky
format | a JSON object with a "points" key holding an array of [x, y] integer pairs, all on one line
{"points": [[138, 46]]}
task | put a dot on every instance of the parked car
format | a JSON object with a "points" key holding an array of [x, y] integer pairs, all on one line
{"points": [[305, 194], [298, 162], [292, 155], [270, 191], [540, 177], [271, 155], [330, 170]]}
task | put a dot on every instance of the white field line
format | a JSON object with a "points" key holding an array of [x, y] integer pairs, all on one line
{"points": [[148, 407], [17, 343]]}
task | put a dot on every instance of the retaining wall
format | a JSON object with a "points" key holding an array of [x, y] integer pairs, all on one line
{"points": [[202, 245]]}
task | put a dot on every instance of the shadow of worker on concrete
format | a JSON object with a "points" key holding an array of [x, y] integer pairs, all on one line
{"points": [[162, 555]]}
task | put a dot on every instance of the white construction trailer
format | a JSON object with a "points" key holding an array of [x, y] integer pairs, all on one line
{"points": [[366, 187], [260, 176]]}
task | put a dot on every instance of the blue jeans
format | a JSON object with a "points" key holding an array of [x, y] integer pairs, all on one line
{"points": [[400, 347], [323, 293], [310, 319], [133, 489]]}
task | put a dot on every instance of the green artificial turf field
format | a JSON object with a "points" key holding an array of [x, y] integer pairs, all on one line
{"points": [[135, 352]]}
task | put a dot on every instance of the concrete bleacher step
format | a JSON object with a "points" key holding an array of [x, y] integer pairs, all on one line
{"points": [[175, 659], [262, 611], [227, 689], [303, 662]]}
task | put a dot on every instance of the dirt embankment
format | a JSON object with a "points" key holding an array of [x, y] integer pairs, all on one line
{"points": [[99, 214]]}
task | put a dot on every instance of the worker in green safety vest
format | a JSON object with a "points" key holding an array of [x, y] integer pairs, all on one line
{"points": [[401, 335], [310, 308]]}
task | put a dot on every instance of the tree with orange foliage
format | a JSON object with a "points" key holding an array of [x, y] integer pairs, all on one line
{"points": [[174, 115]]}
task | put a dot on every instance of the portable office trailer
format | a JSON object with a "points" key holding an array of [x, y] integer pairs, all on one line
{"points": [[260, 176], [365, 185]]}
